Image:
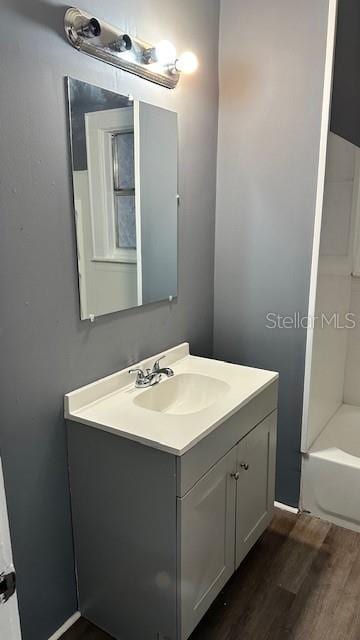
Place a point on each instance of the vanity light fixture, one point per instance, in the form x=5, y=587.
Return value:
x=164, y=53
x=187, y=63
x=157, y=63
x=124, y=43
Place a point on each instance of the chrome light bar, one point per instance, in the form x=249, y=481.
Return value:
x=109, y=44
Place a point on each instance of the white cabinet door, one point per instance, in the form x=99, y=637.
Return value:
x=256, y=484
x=206, y=517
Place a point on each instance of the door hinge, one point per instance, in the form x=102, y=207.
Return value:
x=7, y=586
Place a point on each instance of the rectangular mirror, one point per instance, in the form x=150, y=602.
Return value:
x=124, y=164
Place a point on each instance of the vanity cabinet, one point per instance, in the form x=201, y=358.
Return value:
x=222, y=517
x=158, y=535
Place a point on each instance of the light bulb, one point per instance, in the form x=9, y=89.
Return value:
x=187, y=63
x=165, y=52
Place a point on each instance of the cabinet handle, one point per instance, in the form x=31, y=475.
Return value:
x=244, y=466
x=236, y=475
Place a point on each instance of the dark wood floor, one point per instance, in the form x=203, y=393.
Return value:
x=300, y=582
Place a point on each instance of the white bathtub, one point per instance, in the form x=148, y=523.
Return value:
x=331, y=471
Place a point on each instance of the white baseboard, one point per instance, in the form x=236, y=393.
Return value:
x=69, y=623
x=286, y=507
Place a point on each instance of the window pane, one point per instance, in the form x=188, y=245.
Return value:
x=125, y=222
x=124, y=161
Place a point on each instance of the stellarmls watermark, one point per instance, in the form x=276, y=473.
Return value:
x=298, y=321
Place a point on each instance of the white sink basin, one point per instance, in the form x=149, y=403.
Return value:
x=176, y=413
x=185, y=393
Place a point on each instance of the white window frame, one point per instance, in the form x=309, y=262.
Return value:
x=100, y=127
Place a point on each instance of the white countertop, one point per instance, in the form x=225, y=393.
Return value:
x=107, y=404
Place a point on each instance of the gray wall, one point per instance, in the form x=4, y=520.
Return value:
x=345, y=119
x=45, y=349
x=272, y=57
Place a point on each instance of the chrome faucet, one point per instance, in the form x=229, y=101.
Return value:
x=150, y=377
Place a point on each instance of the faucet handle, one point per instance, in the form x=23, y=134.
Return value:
x=156, y=365
x=140, y=373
